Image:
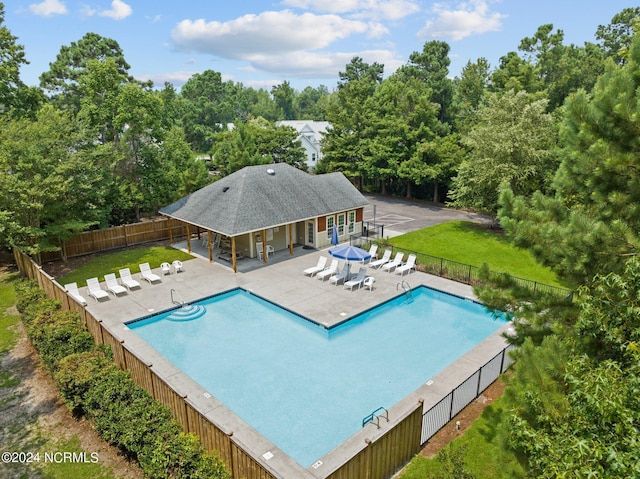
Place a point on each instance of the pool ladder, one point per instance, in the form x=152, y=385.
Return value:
x=375, y=416
x=175, y=301
x=407, y=289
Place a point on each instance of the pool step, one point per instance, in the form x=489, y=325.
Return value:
x=187, y=312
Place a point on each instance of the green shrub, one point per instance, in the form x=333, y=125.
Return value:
x=182, y=456
x=77, y=373
x=126, y=415
x=27, y=293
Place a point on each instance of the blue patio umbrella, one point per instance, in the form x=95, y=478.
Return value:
x=334, y=236
x=349, y=253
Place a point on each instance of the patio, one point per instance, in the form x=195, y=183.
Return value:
x=280, y=280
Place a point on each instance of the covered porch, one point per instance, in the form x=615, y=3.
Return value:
x=261, y=246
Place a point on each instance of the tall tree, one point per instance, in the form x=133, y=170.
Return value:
x=50, y=189
x=61, y=81
x=471, y=88
x=615, y=38
x=344, y=143
x=15, y=97
x=256, y=142
x=431, y=66
x=591, y=223
x=511, y=144
x=209, y=106
x=284, y=96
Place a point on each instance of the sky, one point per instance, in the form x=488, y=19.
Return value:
x=261, y=43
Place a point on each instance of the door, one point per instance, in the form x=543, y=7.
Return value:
x=311, y=233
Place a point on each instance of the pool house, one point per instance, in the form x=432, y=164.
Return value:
x=262, y=209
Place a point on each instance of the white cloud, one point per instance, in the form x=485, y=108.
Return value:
x=467, y=18
x=119, y=10
x=371, y=9
x=321, y=65
x=273, y=33
x=48, y=7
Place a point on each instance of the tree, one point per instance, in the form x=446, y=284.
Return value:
x=344, y=143
x=511, y=144
x=208, y=107
x=615, y=38
x=591, y=222
x=15, y=97
x=432, y=67
x=311, y=103
x=470, y=89
x=574, y=401
x=257, y=142
x=50, y=190
x=284, y=96
x=61, y=81
x=399, y=117
x=358, y=69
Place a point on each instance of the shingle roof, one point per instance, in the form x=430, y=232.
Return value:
x=252, y=199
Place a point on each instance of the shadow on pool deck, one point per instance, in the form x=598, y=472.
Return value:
x=281, y=281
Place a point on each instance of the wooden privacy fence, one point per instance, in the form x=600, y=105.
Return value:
x=117, y=237
x=378, y=459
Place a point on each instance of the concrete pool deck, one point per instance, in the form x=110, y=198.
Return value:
x=282, y=281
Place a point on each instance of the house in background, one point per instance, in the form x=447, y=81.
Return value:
x=267, y=208
x=310, y=134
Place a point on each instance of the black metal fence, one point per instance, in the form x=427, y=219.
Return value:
x=448, y=407
x=465, y=273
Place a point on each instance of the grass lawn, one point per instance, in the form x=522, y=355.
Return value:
x=474, y=244
x=8, y=317
x=130, y=258
x=484, y=456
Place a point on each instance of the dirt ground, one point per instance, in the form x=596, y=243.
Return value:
x=33, y=416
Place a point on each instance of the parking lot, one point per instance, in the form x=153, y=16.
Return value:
x=402, y=216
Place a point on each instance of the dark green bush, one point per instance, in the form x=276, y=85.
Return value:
x=181, y=457
x=126, y=415
x=27, y=293
x=78, y=373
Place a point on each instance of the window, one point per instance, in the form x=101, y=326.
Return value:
x=341, y=219
x=313, y=157
x=330, y=223
x=351, y=227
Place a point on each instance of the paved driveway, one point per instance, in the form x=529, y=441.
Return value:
x=402, y=216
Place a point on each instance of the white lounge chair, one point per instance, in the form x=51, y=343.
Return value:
x=385, y=259
x=177, y=266
x=165, y=268
x=357, y=280
x=341, y=276
x=95, y=291
x=408, y=266
x=322, y=262
x=148, y=275
x=113, y=286
x=373, y=251
x=72, y=289
x=127, y=280
x=328, y=272
x=397, y=261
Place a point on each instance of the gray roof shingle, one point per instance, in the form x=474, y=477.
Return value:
x=251, y=199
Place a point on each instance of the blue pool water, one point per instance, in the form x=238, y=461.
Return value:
x=306, y=388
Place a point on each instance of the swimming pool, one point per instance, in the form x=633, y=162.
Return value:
x=307, y=388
